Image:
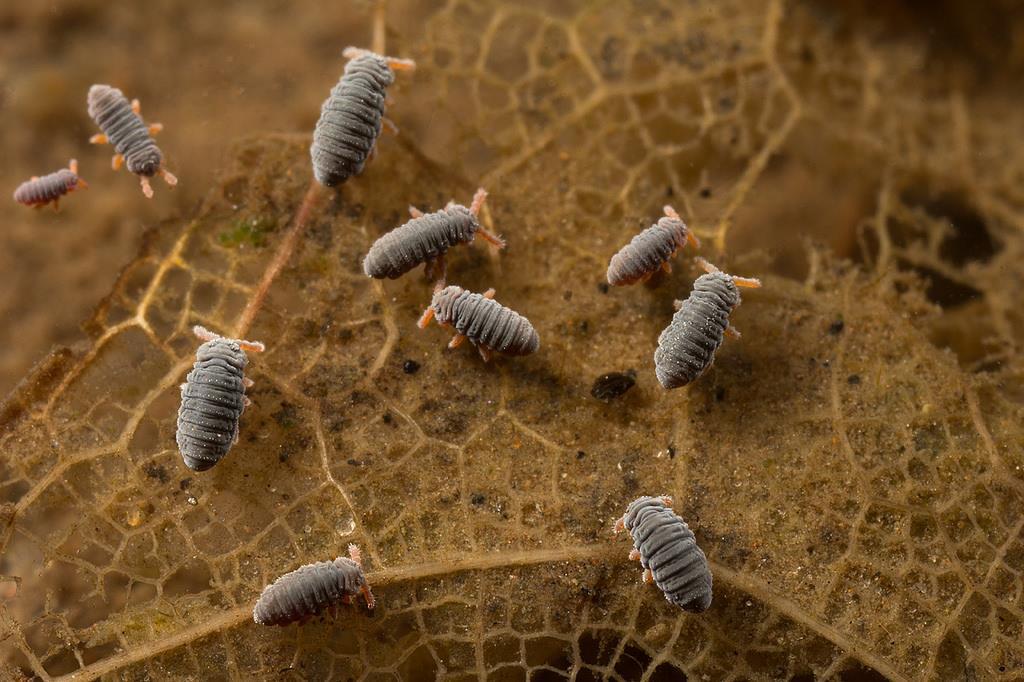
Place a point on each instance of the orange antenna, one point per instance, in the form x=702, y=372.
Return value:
x=478, y=201
x=394, y=63
x=748, y=282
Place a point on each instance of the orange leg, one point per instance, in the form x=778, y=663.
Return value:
x=146, y=189
x=666, y=500
x=620, y=525
x=368, y=596
x=155, y=128
x=98, y=138
x=485, y=352
x=677, y=304
x=425, y=318
x=168, y=177
x=34, y=178
x=415, y=212
x=490, y=293
x=692, y=240
x=247, y=382
x=648, y=576
x=136, y=107
x=390, y=125
x=116, y=161
x=733, y=332
x=456, y=341
x=634, y=555
x=667, y=267
x=73, y=166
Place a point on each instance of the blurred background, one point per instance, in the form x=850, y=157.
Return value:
x=217, y=70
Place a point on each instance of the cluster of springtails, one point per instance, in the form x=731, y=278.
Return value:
x=686, y=348
x=351, y=119
x=123, y=127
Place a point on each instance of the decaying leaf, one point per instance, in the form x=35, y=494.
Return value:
x=856, y=486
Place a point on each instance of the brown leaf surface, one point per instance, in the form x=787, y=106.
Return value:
x=857, y=487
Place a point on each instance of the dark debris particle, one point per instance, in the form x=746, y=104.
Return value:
x=836, y=327
x=602, y=287
x=705, y=192
x=386, y=418
x=610, y=386
x=720, y=394
x=671, y=452
x=410, y=367
x=185, y=483
x=853, y=379
x=283, y=456
x=566, y=295
x=477, y=499
x=580, y=454
x=360, y=462
x=156, y=471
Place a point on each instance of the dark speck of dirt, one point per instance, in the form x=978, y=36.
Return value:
x=602, y=287
x=410, y=367
x=671, y=452
x=566, y=295
x=610, y=386
x=705, y=193
x=853, y=379
x=185, y=483
x=720, y=394
x=836, y=327
x=283, y=456
x=156, y=471
x=477, y=499
x=580, y=454
x=386, y=418
x=360, y=462
x=287, y=416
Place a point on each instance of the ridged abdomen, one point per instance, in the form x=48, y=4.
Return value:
x=307, y=591
x=646, y=252
x=686, y=348
x=488, y=323
x=46, y=188
x=125, y=130
x=350, y=120
x=668, y=547
x=418, y=241
x=212, y=401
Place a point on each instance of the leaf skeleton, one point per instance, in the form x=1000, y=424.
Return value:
x=309, y=590
x=352, y=115
x=490, y=326
x=650, y=250
x=426, y=239
x=668, y=552
x=40, y=191
x=132, y=138
x=686, y=348
x=213, y=399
